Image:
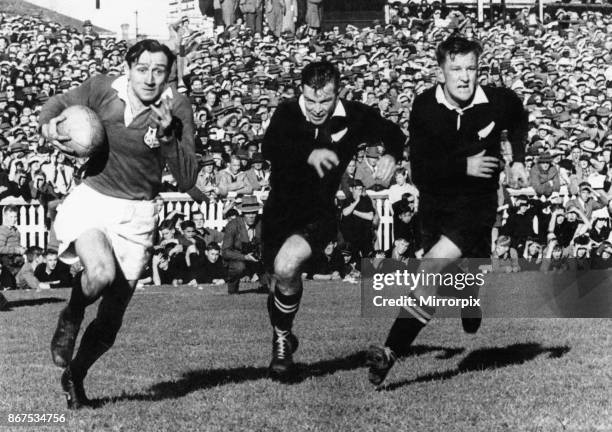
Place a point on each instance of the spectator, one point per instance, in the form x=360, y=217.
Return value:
x=163, y=272
x=203, y=234
x=600, y=230
x=504, y=258
x=52, y=271
x=544, y=177
x=348, y=177
x=602, y=258
x=356, y=223
x=401, y=187
x=532, y=256
x=233, y=180
x=564, y=226
x=258, y=177
x=207, y=268
x=252, y=11
x=11, y=251
x=206, y=183
x=25, y=277
x=290, y=16
x=366, y=170
x=314, y=16
x=275, y=12
x=588, y=200
x=519, y=224
x=242, y=245
x=188, y=238
x=554, y=258
x=327, y=264
x=407, y=225
x=399, y=251
x=228, y=9
x=7, y=280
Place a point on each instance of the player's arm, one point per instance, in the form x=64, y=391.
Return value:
x=50, y=114
x=81, y=95
x=176, y=136
x=518, y=127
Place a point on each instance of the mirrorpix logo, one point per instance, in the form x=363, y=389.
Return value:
x=395, y=283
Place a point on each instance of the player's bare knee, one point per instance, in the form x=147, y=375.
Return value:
x=288, y=269
x=98, y=276
x=291, y=258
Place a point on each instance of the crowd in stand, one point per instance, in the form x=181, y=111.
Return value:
x=235, y=80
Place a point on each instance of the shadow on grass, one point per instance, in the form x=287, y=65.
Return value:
x=207, y=378
x=34, y=302
x=488, y=359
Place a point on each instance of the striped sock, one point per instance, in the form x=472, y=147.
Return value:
x=283, y=308
x=407, y=325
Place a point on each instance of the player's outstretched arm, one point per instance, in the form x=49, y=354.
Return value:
x=176, y=134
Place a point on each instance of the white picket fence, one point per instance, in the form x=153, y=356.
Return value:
x=33, y=232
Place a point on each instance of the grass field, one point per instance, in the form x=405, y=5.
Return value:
x=195, y=360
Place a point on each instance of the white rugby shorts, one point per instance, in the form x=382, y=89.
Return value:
x=129, y=225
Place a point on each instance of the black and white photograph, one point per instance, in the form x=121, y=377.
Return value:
x=306, y=215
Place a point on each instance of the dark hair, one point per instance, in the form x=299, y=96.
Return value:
x=456, y=44
x=51, y=252
x=318, y=74
x=10, y=209
x=187, y=224
x=403, y=207
x=150, y=45
x=33, y=252
x=167, y=224
x=213, y=246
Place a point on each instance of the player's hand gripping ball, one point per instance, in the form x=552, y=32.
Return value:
x=77, y=131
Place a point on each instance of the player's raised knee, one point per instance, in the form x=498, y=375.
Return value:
x=99, y=276
x=291, y=257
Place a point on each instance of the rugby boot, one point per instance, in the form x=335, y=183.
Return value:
x=284, y=344
x=471, y=318
x=380, y=360
x=64, y=338
x=74, y=391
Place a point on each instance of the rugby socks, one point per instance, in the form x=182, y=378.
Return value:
x=283, y=308
x=410, y=321
x=78, y=301
x=91, y=349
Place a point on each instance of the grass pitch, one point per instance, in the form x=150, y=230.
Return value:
x=195, y=360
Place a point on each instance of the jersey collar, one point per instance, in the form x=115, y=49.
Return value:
x=120, y=85
x=339, y=111
x=479, y=98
